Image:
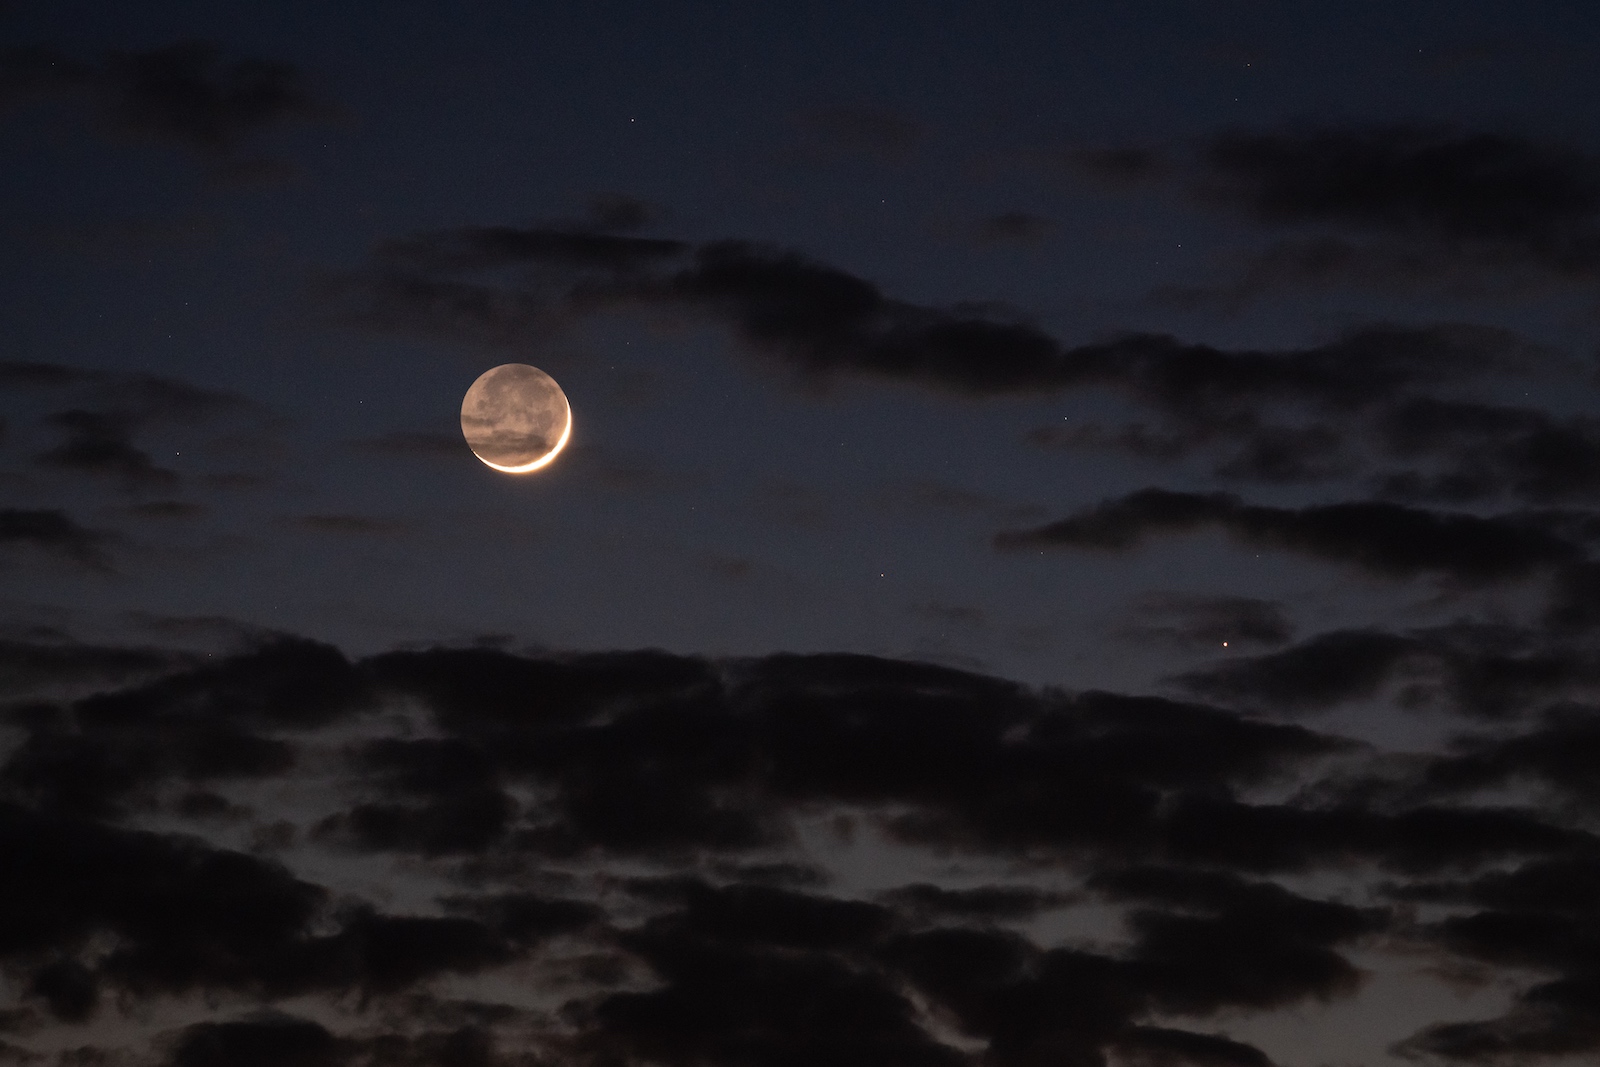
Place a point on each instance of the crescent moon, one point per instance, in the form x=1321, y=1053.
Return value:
x=515, y=418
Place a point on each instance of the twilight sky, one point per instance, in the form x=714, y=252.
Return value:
x=1078, y=545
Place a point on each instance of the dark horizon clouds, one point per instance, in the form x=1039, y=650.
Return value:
x=678, y=761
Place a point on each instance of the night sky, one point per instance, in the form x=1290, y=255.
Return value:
x=1079, y=547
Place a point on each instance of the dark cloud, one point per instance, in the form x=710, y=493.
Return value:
x=619, y=213
x=767, y=915
x=820, y=319
x=1284, y=454
x=1483, y=450
x=486, y=247
x=166, y=509
x=152, y=397
x=1118, y=165
x=38, y=666
x=189, y=93
x=984, y=903
x=16, y=375
x=725, y=1001
x=1542, y=915
x=34, y=71
x=1014, y=227
x=184, y=913
x=1068, y=1006
x=272, y=1041
x=1211, y=620
x=825, y=322
x=1575, y=599
x=1355, y=407
x=112, y=747
x=702, y=939
x=1436, y=182
x=1156, y=1046
x=688, y=759
x=1328, y=669
x=1488, y=671
x=189, y=917
x=1238, y=942
x=1268, y=838
x=1554, y=1019
x=54, y=532
x=69, y=988
x=348, y=524
x=861, y=130
x=1408, y=208
x=412, y=443
x=1381, y=538
x=101, y=443
x=1032, y=1006
x=1205, y=384
x=1557, y=752
x=527, y=919
x=449, y=310
x=461, y=809
x=102, y=415
x=283, y=683
x=1390, y=265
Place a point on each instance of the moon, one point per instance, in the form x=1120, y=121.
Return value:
x=516, y=418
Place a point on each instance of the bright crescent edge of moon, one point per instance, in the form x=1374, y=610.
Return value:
x=542, y=460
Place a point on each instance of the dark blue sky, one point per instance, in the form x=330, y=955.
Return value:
x=1238, y=357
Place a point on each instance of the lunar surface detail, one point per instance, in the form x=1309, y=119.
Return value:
x=516, y=418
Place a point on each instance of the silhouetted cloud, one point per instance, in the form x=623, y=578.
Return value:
x=619, y=213
x=1382, y=538
x=1542, y=915
x=270, y=1041
x=101, y=443
x=1554, y=753
x=1118, y=165
x=478, y=248
x=1486, y=671
x=1402, y=208
x=984, y=903
x=412, y=443
x=1014, y=227
x=190, y=93
x=1211, y=620
x=860, y=130
x=31, y=667
x=1483, y=450
x=1236, y=933
x=691, y=931
x=1437, y=182
x=1328, y=669
x=54, y=532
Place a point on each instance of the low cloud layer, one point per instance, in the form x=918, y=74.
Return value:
x=624, y=832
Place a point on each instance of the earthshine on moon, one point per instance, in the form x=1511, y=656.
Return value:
x=516, y=418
